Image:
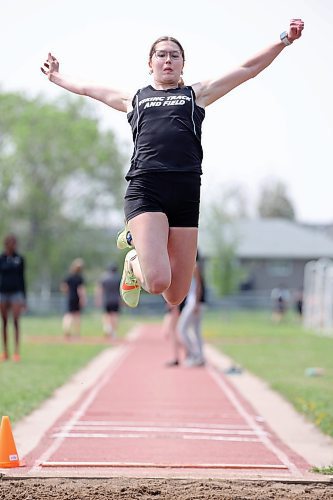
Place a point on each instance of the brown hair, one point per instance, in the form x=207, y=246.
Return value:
x=168, y=39
x=10, y=238
x=76, y=266
x=9, y=244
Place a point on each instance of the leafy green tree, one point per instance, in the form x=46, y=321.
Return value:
x=274, y=201
x=221, y=238
x=60, y=176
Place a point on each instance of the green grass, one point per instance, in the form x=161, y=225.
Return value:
x=280, y=354
x=47, y=363
x=324, y=470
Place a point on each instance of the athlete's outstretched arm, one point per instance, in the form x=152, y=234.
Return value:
x=113, y=98
x=209, y=91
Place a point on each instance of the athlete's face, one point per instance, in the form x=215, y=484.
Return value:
x=167, y=63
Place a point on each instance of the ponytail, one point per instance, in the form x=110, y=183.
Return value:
x=181, y=82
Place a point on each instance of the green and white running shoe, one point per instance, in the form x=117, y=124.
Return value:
x=129, y=286
x=124, y=239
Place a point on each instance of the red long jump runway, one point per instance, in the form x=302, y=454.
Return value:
x=143, y=418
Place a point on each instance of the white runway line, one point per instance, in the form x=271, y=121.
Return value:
x=231, y=395
x=123, y=352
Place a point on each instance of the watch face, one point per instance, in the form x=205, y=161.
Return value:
x=284, y=38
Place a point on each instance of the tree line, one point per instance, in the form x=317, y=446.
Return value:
x=61, y=185
x=218, y=218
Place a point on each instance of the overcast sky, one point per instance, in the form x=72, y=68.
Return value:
x=277, y=125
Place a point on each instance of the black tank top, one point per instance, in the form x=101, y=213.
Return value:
x=12, y=273
x=166, y=127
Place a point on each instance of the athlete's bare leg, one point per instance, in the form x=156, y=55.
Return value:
x=76, y=323
x=114, y=317
x=110, y=323
x=150, y=234
x=182, y=249
x=4, y=308
x=166, y=256
x=67, y=324
x=16, y=311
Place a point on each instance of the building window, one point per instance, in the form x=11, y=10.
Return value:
x=279, y=268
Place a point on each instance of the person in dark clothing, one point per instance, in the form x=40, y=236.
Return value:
x=280, y=297
x=12, y=294
x=74, y=288
x=163, y=196
x=298, y=302
x=108, y=297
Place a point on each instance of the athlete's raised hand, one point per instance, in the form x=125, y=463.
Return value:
x=51, y=65
x=295, y=29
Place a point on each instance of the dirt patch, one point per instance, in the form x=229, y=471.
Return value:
x=166, y=489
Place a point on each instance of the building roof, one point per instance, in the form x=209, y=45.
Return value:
x=272, y=239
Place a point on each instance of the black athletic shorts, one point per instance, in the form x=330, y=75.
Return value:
x=73, y=305
x=177, y=194
x=111, y=307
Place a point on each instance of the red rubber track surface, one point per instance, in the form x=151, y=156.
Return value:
x=143, y=418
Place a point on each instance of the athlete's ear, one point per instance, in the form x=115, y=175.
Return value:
x=150, y=67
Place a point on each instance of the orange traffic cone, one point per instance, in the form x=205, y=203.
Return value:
x=8, y=453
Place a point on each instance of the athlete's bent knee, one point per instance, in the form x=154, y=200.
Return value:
x=174, y=299
x=157, y=285
x=156, y=288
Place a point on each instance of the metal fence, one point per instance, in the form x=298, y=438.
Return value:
x=55, y=303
